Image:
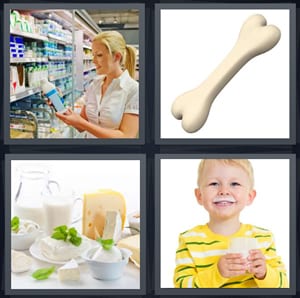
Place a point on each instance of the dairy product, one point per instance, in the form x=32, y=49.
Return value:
x=58, y=212
x=70, y=271
x=111, y=255
x=133, y=244
x=242, y=245
x=95, y=207
x=20, y=262
x=31, y=211
x=113, y=226
x=59, y=250
x=50, y=91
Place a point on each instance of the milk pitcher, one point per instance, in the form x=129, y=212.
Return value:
x=34, y=184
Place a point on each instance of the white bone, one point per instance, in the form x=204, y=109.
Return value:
x=254, y=39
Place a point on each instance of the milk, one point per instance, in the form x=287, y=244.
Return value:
x=58, y=211
x=31, y=212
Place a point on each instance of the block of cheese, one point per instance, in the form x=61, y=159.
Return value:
x=113, y=226
x=59, y=250
x=70, y=271
x=132, y=243
x=95, y=207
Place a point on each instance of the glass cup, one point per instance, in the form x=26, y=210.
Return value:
x=242, y=245
x=60, y=209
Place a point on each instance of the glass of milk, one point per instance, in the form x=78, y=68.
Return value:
x=242, y=245
x=59, y=209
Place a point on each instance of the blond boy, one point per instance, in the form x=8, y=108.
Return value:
x=225, y=188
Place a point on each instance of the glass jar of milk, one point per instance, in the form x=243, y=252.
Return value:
x=34, y=184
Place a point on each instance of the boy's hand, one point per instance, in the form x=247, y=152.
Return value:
x=257, y=264
x=232, y=264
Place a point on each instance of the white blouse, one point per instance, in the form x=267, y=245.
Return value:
x=121, y=96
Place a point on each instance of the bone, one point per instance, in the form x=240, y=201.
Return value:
x=255, y=38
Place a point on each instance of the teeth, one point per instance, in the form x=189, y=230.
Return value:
x=224, y=199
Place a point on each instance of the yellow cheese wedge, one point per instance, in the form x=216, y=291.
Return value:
x=132, y=243
x=95, y=207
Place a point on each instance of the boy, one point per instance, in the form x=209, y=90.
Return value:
x=225, y=187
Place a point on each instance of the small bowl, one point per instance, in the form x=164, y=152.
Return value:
x=106, y=270
x=24, y=241
x=134, y=222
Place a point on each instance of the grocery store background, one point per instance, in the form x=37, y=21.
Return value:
x=56, y=45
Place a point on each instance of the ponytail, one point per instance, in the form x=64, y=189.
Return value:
x=130, y=60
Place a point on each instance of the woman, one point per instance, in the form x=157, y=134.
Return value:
x=111, y=107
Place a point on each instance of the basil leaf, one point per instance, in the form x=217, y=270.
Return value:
x=15, y=223
x=76, y=240
x=63, y=233
x=59, y=236
x=107, y=244
x=72, y=232
x=62, y=229
x=43, y=273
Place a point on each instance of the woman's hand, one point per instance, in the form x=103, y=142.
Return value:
x=72, y=118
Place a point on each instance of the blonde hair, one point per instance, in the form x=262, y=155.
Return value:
x=242, y=163
x=115, y=42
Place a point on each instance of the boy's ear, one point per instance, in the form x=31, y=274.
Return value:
x=251, y=197
x=198, y=196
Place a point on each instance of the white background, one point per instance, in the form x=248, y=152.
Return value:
x=180, y=210
x=89, y=175
x=254, y=104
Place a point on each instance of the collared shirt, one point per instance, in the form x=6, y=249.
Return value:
x=121, y=96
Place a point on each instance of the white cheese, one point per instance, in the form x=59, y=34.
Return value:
x=70, y=271
x=112, y=255
x=59, y=250
x=20, y=262
x=113, y=226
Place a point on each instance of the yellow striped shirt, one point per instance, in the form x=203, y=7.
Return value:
x=200, y=249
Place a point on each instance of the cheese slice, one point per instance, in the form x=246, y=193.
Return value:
x=95, y=207
x=20, y=262
x=132, y=243
x=113, y=226
x=70, y=271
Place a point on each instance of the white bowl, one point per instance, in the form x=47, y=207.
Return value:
x=134, y=222
x=24, y=241
x=106, y=270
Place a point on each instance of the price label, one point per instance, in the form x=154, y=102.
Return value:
x=13, y=98
x=30, y=92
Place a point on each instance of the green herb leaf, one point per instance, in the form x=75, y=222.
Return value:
x=72, y=232
x=107, y=244
x=15, y=223
x=59, y=236
x=65, y=234
x=62, y=229
x=76, y=240
x=43, y=273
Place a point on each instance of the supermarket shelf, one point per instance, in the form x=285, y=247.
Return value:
x=28, y=60
x=28, y=35
x=25, y=93
x=88, y=58
x=67, y=92
x=53, y=78
x=57, y=39
x=59, y=58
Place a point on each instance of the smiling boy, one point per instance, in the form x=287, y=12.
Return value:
x=225, y=188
